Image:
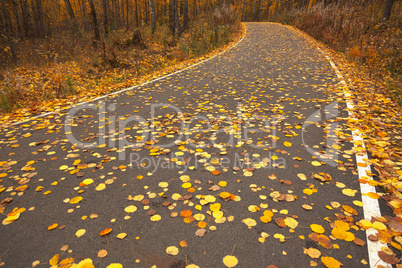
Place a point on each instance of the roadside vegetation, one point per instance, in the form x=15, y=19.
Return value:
x=65, y=57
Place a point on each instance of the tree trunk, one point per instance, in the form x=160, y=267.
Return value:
x=94, y=20
x=243, y=11
x=276, y=7
x=387, y=10
x=195, y=9
x=105, y=20
x=177, y=25
x=153, y=17
x=72, y=15
x=185, y=15
x=260, y=11
x=17, y=17
x=254, y=2
x=136, y=14
x=172, y=16
x=84, y=14
x=127, y=16
x=8, y=27
x=27, y=20
x=40, y=18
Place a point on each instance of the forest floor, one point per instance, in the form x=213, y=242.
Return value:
x=56, y=73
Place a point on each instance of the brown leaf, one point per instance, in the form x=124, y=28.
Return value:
x=391, y=259
x=324, y=241
x=373, y=238
x=151, y=212
x=166, y=204
x=6, y=201
x=359, y=242
x=145, y=202
x=280, y=222
x=200, y=232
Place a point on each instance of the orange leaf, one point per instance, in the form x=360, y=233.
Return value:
x=186, y=213
x=216, y=172
x=373, y=195
x=106, y=231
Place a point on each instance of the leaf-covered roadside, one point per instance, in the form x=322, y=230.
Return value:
x=30, y=90
x=379, y=120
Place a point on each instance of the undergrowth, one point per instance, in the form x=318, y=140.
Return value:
x=357, y=30
x=64, y=67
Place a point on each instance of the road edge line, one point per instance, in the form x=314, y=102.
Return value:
x=133, y=87
x=371, y=206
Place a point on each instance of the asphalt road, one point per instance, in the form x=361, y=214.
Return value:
x=260, y=114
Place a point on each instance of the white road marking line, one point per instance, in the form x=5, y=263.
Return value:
x=371, y=207
x=133, y=87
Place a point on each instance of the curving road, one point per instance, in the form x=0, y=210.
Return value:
x=255, y=131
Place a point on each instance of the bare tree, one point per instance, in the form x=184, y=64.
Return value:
x=387, y=10
x=153, y=17
x=94, y=19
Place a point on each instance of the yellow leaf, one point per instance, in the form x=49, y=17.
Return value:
x=379, y=226
x=75, y=200
x=265, y=219
x=53, y=226
x=316, y=163
x=88, y=181
x=215, y=207
x=287, y=144
x=156, y=217
x=230, y=261
x=339, y=233
x=172, y=250
x=224, y=195
x=100, y=187
x=210, y=198
x=55, y=260
x=115, y=265
x=330, y=262
x=302, y=176
x=312, y=253
x=249, y=222
x=186, y=185
x=163, y=184
x=130, y=209
x=280, y=237
x=222, y=183
x=291, y=223
x=317, y=228
x=66, y=263
x=63, y=167
x=80, y=232
x=349, y=192
x=121, y=235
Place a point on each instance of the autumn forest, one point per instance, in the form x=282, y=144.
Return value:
x=53, y=50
